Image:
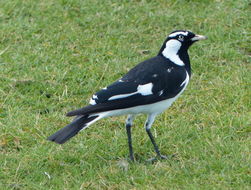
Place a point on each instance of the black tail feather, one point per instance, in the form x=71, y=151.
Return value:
x=71, y=130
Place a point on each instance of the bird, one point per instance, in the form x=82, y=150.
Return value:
x=149, y=88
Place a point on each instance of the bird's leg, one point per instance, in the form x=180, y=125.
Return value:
x=128, y=131
x=148, y=125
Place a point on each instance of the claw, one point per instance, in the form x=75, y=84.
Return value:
x=158, y=157
x=132, y=159
x=163, y=157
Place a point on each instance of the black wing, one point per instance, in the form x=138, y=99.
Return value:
x=164, y=77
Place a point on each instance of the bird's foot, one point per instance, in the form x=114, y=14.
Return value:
x=162, y=157
x=131, y=158
x=158, y=157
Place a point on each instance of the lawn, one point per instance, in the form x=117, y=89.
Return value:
x=55, y=54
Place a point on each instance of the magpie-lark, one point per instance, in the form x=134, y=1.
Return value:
x=149, y=88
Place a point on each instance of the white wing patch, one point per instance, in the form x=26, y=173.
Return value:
x=92, y=100
x=144, y=90
x=171, y=50
x=121, y=96
x=161, y=92
x=178, y=33
x=185, y=81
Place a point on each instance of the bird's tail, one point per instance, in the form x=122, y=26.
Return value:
x=69, y=131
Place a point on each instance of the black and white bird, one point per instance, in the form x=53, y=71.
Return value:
x=149, y=88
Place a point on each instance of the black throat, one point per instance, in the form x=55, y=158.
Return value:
x=183, y=55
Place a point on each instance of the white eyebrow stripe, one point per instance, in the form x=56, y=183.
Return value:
x=177, y=33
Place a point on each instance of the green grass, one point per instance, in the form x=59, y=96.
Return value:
x=55, y=54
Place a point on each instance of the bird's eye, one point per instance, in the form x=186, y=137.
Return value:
x=181, y=38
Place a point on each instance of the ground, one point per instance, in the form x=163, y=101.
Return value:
x=55, y=54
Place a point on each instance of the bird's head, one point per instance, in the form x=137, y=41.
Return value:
x=179, y=41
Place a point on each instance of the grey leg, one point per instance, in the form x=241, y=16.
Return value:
x=148, y=125
x=128, y=131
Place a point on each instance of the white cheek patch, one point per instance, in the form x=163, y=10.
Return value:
x=144, y=90
x=178, y=33
x=171, y=50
